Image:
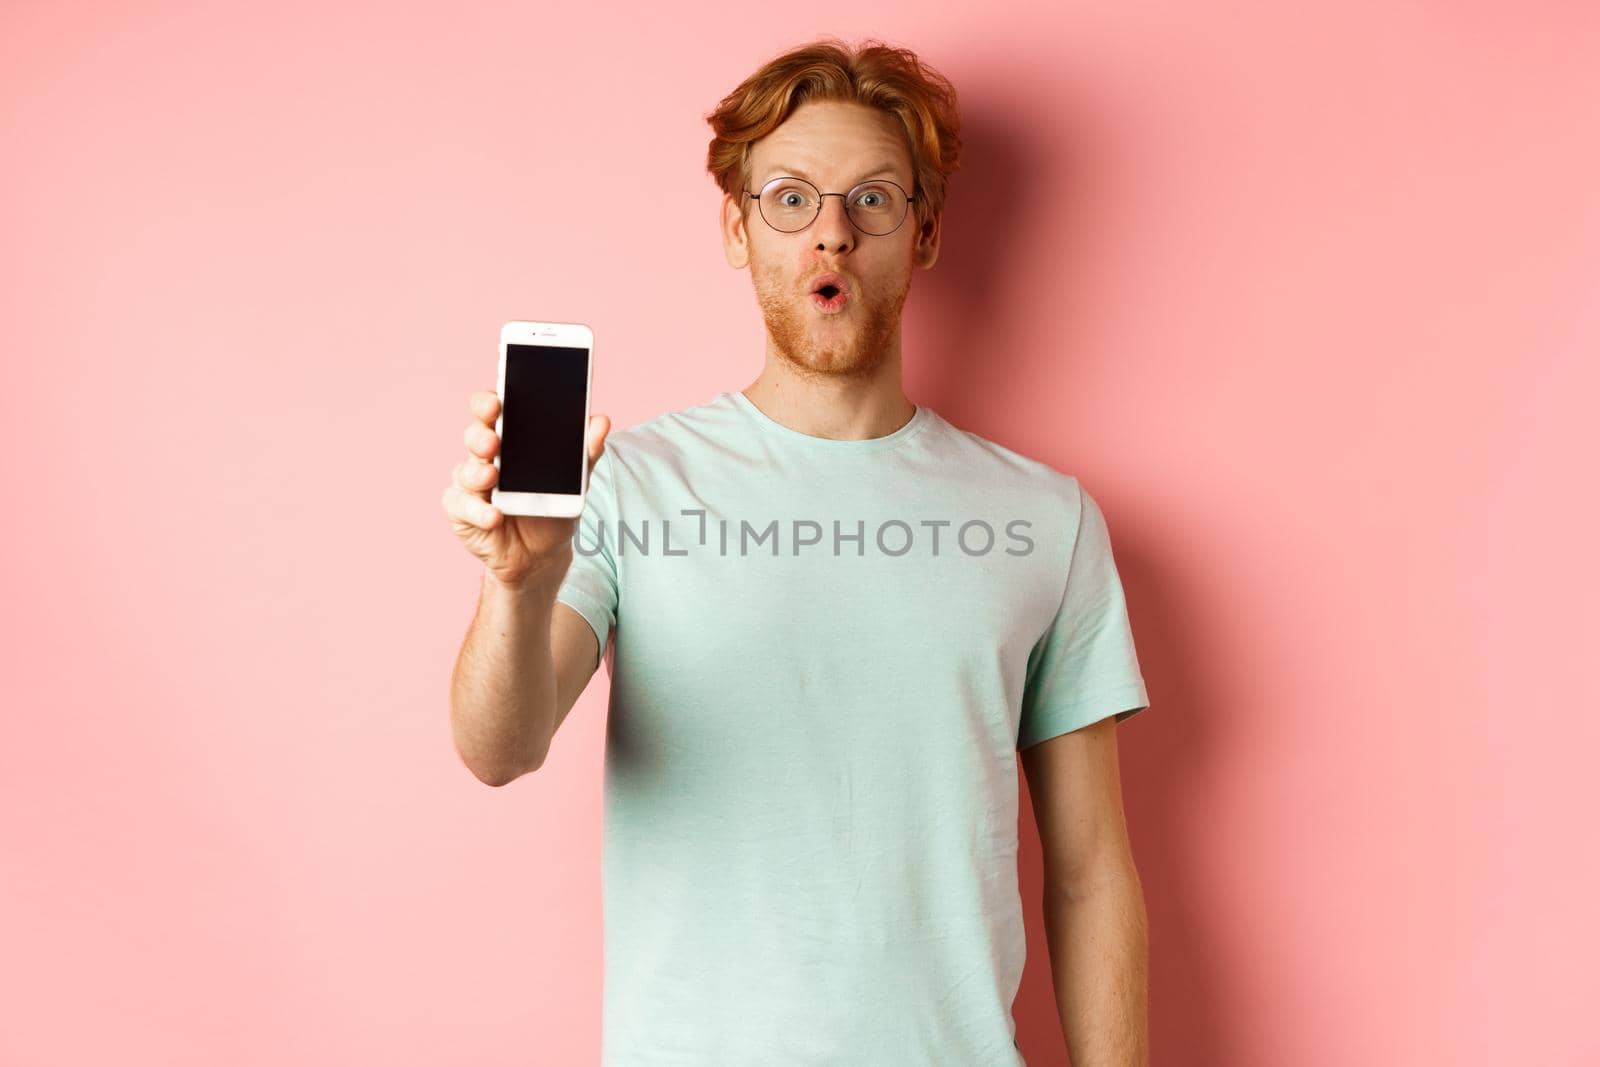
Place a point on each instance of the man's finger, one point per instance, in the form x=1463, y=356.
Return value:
x=599, y=427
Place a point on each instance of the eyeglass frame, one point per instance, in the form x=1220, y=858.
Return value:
x=910, y=199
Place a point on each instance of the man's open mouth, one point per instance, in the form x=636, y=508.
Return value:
x=828, y=292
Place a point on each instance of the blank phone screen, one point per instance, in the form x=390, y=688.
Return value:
x=542, y=421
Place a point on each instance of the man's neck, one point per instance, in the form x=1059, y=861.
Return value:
x=841, y=409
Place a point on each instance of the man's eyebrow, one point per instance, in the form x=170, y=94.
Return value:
x=781, y=171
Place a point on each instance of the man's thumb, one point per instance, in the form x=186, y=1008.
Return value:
x=599, y=428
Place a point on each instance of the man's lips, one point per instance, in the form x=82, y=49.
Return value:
x=833, y=283
x=831, y=305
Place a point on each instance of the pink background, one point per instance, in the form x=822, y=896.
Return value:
x=1305, y=294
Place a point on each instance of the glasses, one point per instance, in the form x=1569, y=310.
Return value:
x=789, y=205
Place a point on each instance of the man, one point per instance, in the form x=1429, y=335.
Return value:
x=831, y=619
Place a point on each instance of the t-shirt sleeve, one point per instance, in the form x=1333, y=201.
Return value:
x=590, y=585
x=1084, y=667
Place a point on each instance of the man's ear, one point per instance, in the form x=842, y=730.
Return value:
x=927, y=250
x=735, y=233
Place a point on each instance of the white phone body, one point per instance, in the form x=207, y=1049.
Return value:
x=546, y=369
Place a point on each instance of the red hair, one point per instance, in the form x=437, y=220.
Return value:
x=876, y=74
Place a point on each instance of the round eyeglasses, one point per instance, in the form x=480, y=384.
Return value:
x=789, y=205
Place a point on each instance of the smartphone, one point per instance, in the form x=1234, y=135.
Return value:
x=545, y=372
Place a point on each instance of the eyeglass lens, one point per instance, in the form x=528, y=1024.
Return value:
x=790, y=204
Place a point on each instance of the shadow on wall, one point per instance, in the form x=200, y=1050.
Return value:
x=959, y=311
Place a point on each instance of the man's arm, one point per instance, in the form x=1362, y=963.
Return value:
x=525, y=661
x=1094, y=912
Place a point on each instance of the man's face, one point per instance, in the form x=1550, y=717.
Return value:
x=834, y=146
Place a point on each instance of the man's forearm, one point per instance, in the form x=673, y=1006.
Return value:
x=1099, y=953
x=503, y=689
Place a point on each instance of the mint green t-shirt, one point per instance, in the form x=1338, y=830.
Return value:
x=824, y=656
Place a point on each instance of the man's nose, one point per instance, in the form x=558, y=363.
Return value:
x=833, y=229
